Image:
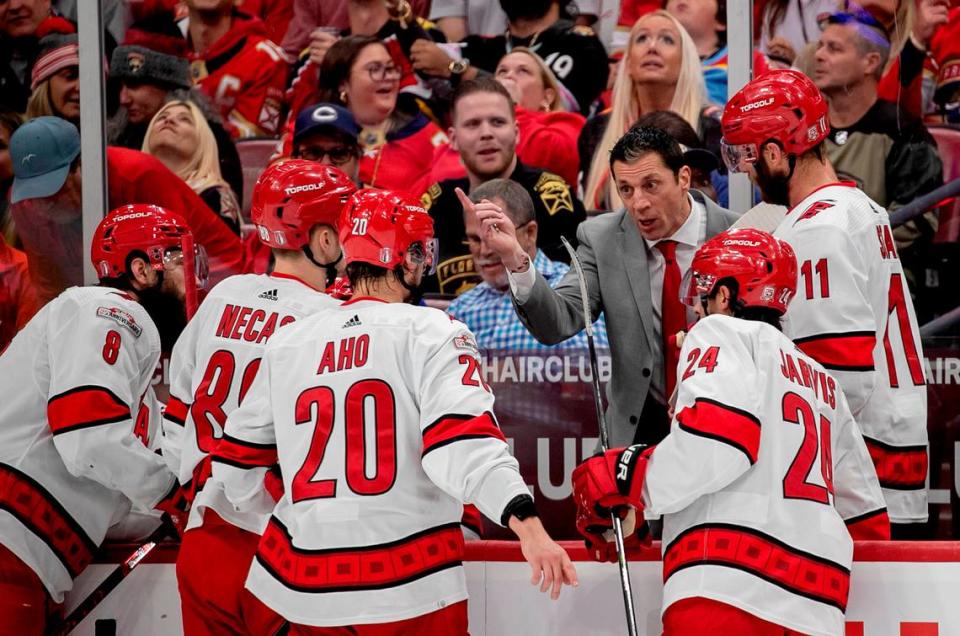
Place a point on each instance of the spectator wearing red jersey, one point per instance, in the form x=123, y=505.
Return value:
x=45, y=203
x=18, y=298
x=276, y=14
x=234, y=63
x=398, y=140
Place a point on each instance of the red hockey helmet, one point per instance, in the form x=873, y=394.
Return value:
x=379, y=226
x=784, y=106
x=764, y=267
x=151, y=229
x=292, y=196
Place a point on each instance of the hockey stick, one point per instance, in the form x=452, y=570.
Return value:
x=114, y=579
x=604, y=443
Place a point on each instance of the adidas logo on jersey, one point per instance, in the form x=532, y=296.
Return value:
x=353, y=322
x=270, y=294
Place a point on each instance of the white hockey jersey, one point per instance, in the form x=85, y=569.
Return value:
x=72, y=429
x=853, y=314
x=384, y=427
x=763, y=467
x=212, y=367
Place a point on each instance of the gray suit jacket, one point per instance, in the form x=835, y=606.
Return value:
x=614, y=259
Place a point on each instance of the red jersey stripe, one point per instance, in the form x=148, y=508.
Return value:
x=454, y=428
x=43, y=515
x=359, y=568
x=708, y=418
x=242, y=454
x=851, y=351
x=899, y=467
x=83, y=407
x=176, y=411
x=872, y=526
x=761, y=555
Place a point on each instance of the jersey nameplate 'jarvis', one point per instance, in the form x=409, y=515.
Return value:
x=212, y=367
x=761, y=476
x=854, y=315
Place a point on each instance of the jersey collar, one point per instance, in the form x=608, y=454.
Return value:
x=296, y=278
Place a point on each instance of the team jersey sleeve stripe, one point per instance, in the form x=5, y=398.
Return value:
x=870, y=526
x=759, y=554
x=42, y=514
x=243, y=454
x=899, y=467
x=176, y=411
x=723, y=423
x=455, y=428
x=851, y=351
x=83, y=407
x=359, y=568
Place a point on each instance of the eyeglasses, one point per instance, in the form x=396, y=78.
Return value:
x=339, y=155
x=380, y=72
x=474, y=241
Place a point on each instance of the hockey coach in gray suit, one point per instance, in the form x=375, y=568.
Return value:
x=634, y=260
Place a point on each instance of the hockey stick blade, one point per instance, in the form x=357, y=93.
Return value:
x=113, y=580
x=625, y=585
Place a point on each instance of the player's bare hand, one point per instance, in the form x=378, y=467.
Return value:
x=496, y=230
x=551, y=567
x=430, y=59
x=320, y=42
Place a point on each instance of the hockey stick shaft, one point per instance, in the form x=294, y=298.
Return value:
x=625, y=585
x=114, y=579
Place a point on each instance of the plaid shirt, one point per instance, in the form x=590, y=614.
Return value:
x=491, y=317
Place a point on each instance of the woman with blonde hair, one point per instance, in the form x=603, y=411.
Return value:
x=180, y=137
x=55, y=79
x=659, y=71
x=548, y=132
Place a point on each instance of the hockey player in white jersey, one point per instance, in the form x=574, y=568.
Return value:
x=76, y=379
x=853, y=312
x=384, y=427
x=296, y=206
x=764, y=475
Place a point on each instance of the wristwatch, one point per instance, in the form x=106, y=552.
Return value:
x=520, y=507
x=457, y=67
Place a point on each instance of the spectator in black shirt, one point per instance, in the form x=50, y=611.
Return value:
x=484, y=132
x=574, y=53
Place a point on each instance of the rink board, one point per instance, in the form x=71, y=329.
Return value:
x=898, y=589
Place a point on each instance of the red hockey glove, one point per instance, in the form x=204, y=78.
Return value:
x=273, y=482
x=175, y=505
x=611, y=479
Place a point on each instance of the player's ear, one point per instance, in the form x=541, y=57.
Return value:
x=141, y=273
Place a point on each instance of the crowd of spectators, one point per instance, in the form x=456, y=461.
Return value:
x=440, y=99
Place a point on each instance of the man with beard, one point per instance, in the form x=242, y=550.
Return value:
x=76, y=384
x=410, y=377
x=484, y=132
x=853, y=313
x=633, y=261
x=46, y=196
x=296, y=208
x=574, y=53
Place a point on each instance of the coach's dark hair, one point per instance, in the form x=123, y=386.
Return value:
x=640, y=140
x=517, y=201
x=479, y=85
x=759, y=314
x=338, y=64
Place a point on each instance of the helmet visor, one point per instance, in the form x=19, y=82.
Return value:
x=173, y=258
x=737, y=157
x=695, y=286
x=428, y=253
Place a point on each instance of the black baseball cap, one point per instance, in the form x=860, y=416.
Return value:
x=325, y=116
